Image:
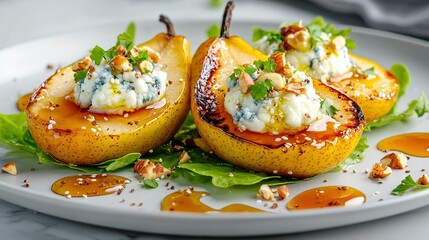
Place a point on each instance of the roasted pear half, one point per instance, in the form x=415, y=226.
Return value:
x=298, y=153
x=76, y=135
x=323, y=52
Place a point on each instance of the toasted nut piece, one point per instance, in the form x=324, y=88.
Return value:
x=380, y=170
x=423, y=180
x=121, y=50
x=150, y=170
x=339, y=42
x=184, y=158
x=265, y=192
x=10, y=168
x=395, y=160
x=82, y=64
x=244, y=82
x=299, y=40
x=154, y=55
x=201, y=143
x=283, y=191
x=134, y=52
x=276, y=79
x=120, y=64
x=282, y=66
x=145, y=66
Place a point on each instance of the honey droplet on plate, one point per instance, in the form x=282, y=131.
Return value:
x=415, y=144
x=89, y=185
x=189, y=201
x=329, y=196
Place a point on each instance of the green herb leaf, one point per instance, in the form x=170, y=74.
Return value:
x=149, y=183
x=109, y=54
x=14, y=132
x=213, y=31
x=127, y=38
x=142, y=56
x=80, y=75
x=215, y=3
x=407, y=184
x=419, y=106
x=250, y=69
x=369, y=71
x=266, y=66
x=261, y=89
x=327, y=108
x=44, y=158
x=97, y=54
x=273, y=36
x=236, y=74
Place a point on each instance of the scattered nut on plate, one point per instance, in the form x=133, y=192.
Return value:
x=10, y=168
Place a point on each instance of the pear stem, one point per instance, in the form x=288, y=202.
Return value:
x=226, y=21
x=170, y=29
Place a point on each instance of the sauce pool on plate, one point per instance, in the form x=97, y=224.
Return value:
x=415, y=144
x=329, y=196
x=189, y=201
x=89, y=185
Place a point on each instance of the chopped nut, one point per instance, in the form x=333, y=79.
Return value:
x=121, y=50
x=82, y=64
x=265, y=192
x=283, y=191
x=339, y=42
x=150, y=170
x=10, y=168
x=184, y=157
x=120, y=64
x=282, y=66
x=275, y=78
x=299, y=40
x=395, y=160
x=423, y=180
x=380, y=170
x=245, y=81
x=145, y=66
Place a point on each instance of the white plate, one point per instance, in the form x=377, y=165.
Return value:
x=24, y=68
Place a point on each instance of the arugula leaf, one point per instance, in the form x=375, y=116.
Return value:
x=408, y=183
x=118, y=163
x=127, y=38
x=80, y=75
x=261, y=89
x=14, y=132
x=225, y=175
x=149, y=183
x=419, y=106
x=97, y=54
x=273, y=36
x=44, y=158
x=213, y=31
x=402, y=74
x=327, y=108
x=357, y=155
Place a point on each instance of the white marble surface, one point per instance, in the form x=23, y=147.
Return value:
x=22, y=21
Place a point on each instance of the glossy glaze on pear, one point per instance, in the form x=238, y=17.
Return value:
x=212, y=63
x=75, y=136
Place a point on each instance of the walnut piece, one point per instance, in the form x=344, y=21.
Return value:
x=184, y=157
x=283, y=191
x=265, y=192
x=150, y=170
x=423, y=180
x=380, y=170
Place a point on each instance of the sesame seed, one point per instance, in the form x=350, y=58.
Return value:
x=106, y=119
x=284, y=138
x=231, y=174
x=50, y=127
x=275, y=171
x=93, y=130
x=290, y=172
x=151, y=151
x=278, y=139
x=125, y=115
x=83, y=127
x=66, y=192
x=68, y=196
x=127, y=181
x=84, y=196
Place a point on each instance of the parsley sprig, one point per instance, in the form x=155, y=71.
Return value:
x=328, y=108
x=261, y=89
x=408, y=184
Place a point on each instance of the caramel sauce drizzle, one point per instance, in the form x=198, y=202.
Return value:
x=22, y=102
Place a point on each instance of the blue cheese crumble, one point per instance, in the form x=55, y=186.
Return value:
x=117, y=86
x=290, y=106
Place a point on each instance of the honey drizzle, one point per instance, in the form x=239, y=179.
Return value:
x=415, y=144
x=22, y=102
x=189, y=201
x=89, y=185
x=329, y=196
